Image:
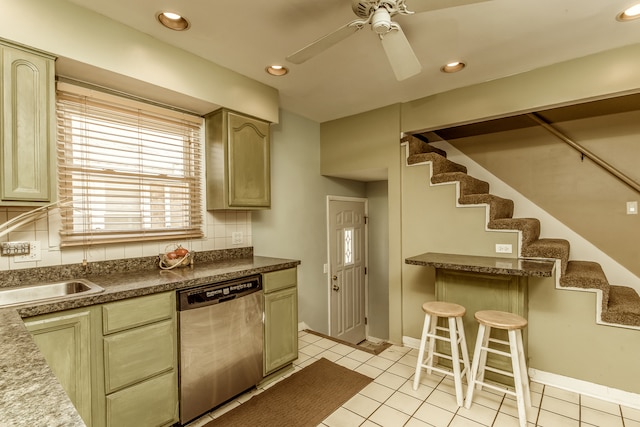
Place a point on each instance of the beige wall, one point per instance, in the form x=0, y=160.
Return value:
x=130, y=56
x=577, y=192
x=562, y=330
x=601, y=75
x=362, y=146
x=596, y=76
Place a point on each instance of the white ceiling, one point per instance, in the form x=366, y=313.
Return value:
x=496, y=38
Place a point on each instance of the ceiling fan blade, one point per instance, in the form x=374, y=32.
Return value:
x=418, y=6
x=404, y=61
x=325, y=42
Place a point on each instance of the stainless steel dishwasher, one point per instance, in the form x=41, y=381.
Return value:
x=220, y=343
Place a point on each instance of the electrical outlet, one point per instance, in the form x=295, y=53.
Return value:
x=33, y=255
x=236, y=238
x=503, y=248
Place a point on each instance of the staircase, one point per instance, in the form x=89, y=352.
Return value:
x=620, y=304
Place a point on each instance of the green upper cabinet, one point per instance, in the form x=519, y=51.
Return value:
x=238, y=161
x=27, y=127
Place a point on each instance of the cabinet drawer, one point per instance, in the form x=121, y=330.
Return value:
x=279, y=280
x=140, y=353
x=130, y=313
x=150, y=403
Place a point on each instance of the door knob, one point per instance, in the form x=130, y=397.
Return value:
x=335, y=287
x=334, y=277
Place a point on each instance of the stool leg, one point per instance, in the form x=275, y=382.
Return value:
x=455, y=360
x=474, y=366
x=463, y=346
x=483, y=355
x=432, y=343
x=423, y=340
x=517, y=376
x=523, y=371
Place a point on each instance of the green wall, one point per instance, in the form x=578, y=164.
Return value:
x=295, y=226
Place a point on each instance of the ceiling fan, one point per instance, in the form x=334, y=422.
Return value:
x=378, y=14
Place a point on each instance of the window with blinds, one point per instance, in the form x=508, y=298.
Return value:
x=127, y=171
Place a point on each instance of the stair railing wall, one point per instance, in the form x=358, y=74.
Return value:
x=585, y=152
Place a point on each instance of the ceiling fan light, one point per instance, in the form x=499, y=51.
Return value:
x=381, y=21
x=630, y=13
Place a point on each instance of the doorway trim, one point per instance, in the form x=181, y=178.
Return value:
x=365, y=201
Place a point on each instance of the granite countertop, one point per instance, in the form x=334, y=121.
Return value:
x=484, y=264
x=30, y=395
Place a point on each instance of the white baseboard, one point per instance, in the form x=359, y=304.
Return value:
x=411, y=342
x=598, y=391
x=302, y=326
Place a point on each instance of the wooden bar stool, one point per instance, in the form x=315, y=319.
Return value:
x=453, y=312
x=513, y=324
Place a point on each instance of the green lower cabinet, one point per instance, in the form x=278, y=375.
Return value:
x=139, y=383
x=280, y=319
x=64, y=339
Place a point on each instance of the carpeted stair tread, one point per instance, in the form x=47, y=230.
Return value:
x=498, y=207
x=587, y=275
x=584, y=274
x=624, y=306
x=468, y=184
x=417, y=146
x=549, y=248
x=439, y=164
x=530, y=227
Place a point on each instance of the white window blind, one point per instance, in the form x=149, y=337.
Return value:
x=127, y=171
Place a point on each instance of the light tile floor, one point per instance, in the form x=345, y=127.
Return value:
x=390, y=401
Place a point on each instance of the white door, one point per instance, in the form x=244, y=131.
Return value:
x=347, y=262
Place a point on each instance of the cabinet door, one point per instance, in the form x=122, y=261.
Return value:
x=65, y=341
x=280, y=328
x=249, y=162
x=150, y=403
x=27, y=98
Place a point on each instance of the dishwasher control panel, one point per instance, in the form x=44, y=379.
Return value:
x=216, y=293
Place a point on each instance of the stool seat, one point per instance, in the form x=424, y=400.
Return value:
x=500, y=319
x=443, y=309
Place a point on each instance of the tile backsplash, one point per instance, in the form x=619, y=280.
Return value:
x=219, y=228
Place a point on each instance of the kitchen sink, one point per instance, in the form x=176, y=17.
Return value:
x=47, y=292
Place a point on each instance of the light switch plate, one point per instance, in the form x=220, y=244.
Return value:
x=503, y=248
x=632, y=208
x=33, y=255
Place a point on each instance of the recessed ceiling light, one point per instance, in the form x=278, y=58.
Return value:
x=173, y=21
x=453, y=67
x=628, y=14
x=277, y=70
